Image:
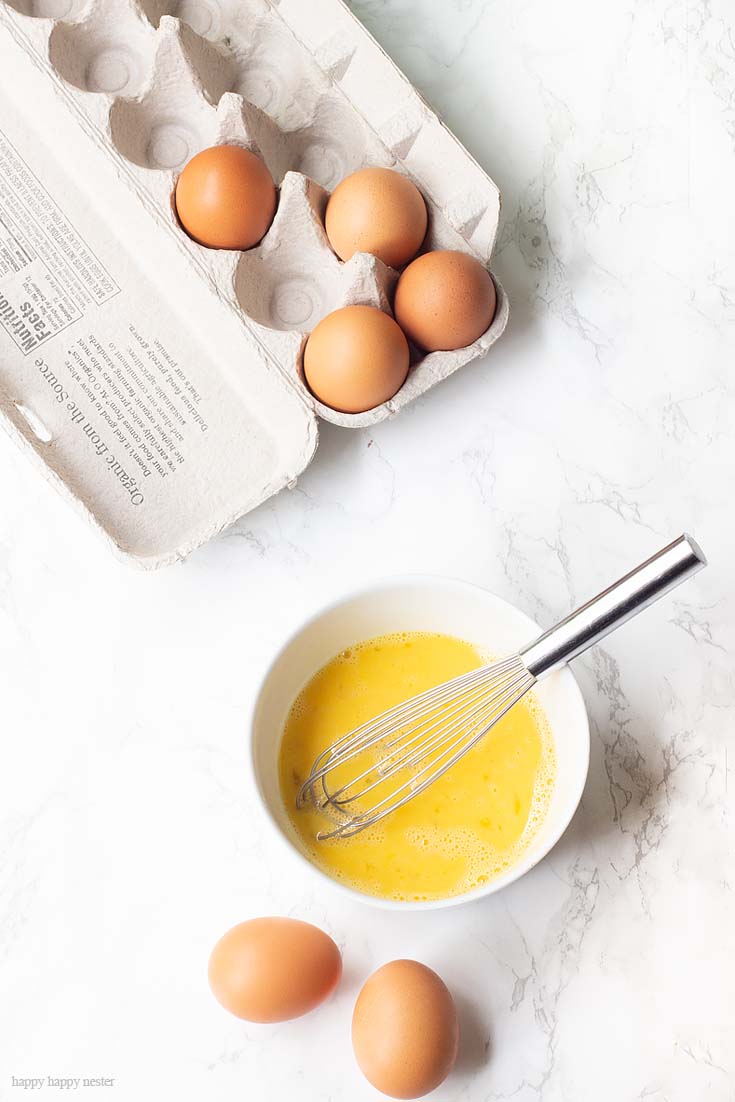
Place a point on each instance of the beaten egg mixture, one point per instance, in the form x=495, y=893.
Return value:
x=469, y=826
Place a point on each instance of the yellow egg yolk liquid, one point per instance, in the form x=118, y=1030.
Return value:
x=468, y=827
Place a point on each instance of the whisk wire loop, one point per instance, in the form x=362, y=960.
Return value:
x=421, y=737
x=429, y=773
x=427, y=734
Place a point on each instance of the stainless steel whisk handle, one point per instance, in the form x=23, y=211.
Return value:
x=616, y=604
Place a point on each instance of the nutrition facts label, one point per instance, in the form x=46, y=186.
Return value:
x=49, y=277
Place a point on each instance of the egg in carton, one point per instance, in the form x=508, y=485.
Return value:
x=148, y=83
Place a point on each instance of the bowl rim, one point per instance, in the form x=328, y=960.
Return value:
x=407, y=581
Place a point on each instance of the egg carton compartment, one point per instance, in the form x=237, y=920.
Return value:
x=321, y=91
x=173, y=117
x=209, y=18
x=274, y=282
x=48, y=9
x=293, y=279
x=110, y=51
x=153, y=82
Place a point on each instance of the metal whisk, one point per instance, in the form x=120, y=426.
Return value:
x=392, y=758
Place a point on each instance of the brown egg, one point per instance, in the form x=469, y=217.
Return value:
x=445, y=300
x=273, y=969
x=377, y=211
x=355, y=359
x=404, y=1030
x=226, y=198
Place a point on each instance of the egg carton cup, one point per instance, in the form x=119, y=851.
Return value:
x=108, y=100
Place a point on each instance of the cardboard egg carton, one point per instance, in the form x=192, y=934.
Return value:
x=169, y=398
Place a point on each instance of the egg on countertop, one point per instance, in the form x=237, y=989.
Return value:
x=445, y=300
x=355, y=359
x=404, y=1030
x=273, y=969
x=226, y=198
x=378, y=211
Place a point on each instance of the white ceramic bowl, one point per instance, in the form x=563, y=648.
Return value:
x=418, y=603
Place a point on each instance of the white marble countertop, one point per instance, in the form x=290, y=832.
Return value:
x=597, y=429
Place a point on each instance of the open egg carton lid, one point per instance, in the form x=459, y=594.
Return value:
x=159, y=383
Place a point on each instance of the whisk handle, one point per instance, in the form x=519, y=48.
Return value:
x=616, y=604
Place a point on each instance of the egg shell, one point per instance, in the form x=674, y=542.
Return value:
x=273, y=969
x=226, y=198
x=445, y=300
x=405, y=1032
x=378, y=211
x=356, y=359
